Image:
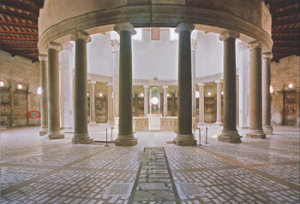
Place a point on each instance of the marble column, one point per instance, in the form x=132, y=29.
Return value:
x=256, y=130
x=115, y=55
x=266, y=96
x=219, y=102
x=53, y=91
x=165, y=103
x=193, y=55
x=44, y=96
x=110, y=118
x=125, y=136
x=229, y=132
x=81, y=135
x=92, y=104
x=201, y=104
x=136, y=104
x=146, y=100
x=184, y=136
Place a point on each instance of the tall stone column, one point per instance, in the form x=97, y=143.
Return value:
x=146, y=100
x=219, y=102
x=125, y=136
x=53, y=94
x=266, y=98
x=184, y=136
x=110, y=118
x=165, y=103
x=44, y=96
x=229, y=132
x=201, y=104
x=256, y=130
x=193, y=53
x=92, y=104
x=115, y=55
x=81, y=135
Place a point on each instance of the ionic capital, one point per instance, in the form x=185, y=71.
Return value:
x=267, y=55
x=184, y=26
x=43, y=57
x=80, y=35
x=124, y=26
x=201, y=84
x=54, y=46
x=92, y=82
x=255, y=44
x=229, y=34
x=146, y=86
x=219, y=81
x=164, y=86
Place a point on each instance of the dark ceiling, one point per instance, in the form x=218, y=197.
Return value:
x=19, y=27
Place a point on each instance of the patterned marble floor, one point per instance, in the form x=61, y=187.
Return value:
x=36, y=170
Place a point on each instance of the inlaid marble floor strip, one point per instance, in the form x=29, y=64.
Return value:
x=154, y=182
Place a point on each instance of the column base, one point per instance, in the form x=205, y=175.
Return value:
x=80, y=138
x=256, y=134
x=54, y=136
x=126, y=140
x=219, y=123
x=268, y=130
x=185, y=140
x=43, y=131
x=93, y=124
x=230, y=136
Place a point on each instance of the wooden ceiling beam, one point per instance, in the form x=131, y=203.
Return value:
x=22, y=25
x=17, y=32
x=21, y=6
x=17, y=14
x=288, y=38
x=19, y=18
x=286, y=12
x=285, y=31
x=280, y=4
x=284, y=22
x=18, y=39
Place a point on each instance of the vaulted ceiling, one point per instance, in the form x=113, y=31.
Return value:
x=19, y=27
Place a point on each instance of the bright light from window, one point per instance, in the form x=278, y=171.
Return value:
x=39, y=91
x=100, y=94
x=138, y=35
x=197, y=94
x=173, y=34
x=168, y=95
x=271, y=89
x=20, y=86
x=209, y=93
x=87, y=94
x=1, y=83
x=222, y=92
x=154, y=100
x=291, y=86
x=142, y=94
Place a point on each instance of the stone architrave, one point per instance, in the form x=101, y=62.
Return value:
x=165, y=100
x=184, y=136
x=92, y=104
x=219, y=102
x=229, y=132
x=256, y=130
x=266, y=98
x=125, y=136
x=44, y=95
x=81, y=135
x=146, y=100
x=110, y=119
x=53, y=91
x=201, y=104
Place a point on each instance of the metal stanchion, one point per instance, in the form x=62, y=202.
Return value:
x=106, y=139
x=206, y=139
x=199, y=137
x=111, y=133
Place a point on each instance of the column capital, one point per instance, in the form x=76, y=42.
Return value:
x=184, y=26
x=267, y=55
x=219, y=81
x=80, y=35
x=127, y=26
x=254, y=44
x=164, y=86
x=109, y=84
x=201, y=84
x=43, y=57
x=115, y=45
x=229, y=34
x=54, y=46
x=146, y=86
x=92, y=82
x=68, y=46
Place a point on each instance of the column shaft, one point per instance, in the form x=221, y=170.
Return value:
x=219, y=103
x=255, y=92
x=110, y=119
x=201, y=104
x=266, y=98
x=44, y=96
x=53, y=94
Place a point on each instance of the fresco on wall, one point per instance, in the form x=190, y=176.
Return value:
x=101, y=110
x=290, y=108
x=20, y=108
x=209, y=110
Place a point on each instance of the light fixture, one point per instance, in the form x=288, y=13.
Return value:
x=209, y=93
x=291, y=86
x=1, y=83
x=222, y=92
x=87, y=94
x=20, y=86
x=271, y=89
x=154, y=100
x=142, y=94
x=100, y=94
x=39, y=91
